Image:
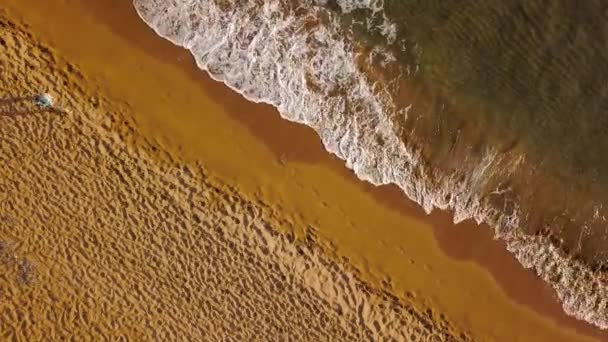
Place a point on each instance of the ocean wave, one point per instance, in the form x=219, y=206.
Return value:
x=298, y=57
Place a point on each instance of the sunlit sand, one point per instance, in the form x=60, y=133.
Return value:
x=152, y=207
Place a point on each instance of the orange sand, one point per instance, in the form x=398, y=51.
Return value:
x=391, y=250
x=104, y=237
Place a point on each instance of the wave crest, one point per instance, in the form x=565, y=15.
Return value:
x=298, y=57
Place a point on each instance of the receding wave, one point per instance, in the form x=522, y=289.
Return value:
x=378, y=98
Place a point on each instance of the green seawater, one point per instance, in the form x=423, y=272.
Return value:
x=539, y=68
x=530, y=75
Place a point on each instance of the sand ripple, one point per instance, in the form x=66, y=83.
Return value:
x=105, y=235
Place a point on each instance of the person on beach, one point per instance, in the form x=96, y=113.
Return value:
x=44, y=100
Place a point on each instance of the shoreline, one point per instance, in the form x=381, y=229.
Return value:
x=308, y=152
x=114, y=239
x=466, y=241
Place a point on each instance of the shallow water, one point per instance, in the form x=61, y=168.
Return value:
x=492, y=110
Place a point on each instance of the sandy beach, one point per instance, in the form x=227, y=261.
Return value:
x=164, y=206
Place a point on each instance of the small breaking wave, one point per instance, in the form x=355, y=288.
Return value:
x=301, y=58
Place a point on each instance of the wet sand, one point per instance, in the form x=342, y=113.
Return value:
x=382, y=234
x=104, y=235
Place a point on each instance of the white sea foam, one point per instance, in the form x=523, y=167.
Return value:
x=294, y=56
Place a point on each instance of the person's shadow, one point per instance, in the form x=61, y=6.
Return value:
x=16, y=106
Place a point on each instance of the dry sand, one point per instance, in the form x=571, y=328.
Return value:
x=163, y=217
x=100, y=240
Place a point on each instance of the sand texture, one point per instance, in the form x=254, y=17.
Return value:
x=305, y=60
x=99, y=239
x=163, y=206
